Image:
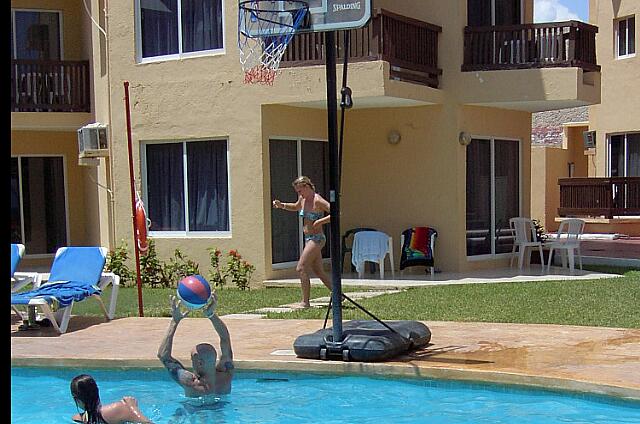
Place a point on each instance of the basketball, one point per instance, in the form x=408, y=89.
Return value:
x=194, y=291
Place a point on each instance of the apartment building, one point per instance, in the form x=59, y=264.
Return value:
x=439, y=134
x=595, y=174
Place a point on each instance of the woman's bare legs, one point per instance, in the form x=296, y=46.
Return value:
x=317, y=266
x=311, y=260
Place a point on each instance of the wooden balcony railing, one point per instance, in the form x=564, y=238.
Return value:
x=568, y=44
x=50, y=86
x=409, y=45
x=609, y=197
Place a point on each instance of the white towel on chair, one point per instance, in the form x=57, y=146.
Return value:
x=368, y=246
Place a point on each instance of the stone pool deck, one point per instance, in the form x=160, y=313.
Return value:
x=583, y=359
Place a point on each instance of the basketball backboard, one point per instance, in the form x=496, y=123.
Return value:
x=324, y=15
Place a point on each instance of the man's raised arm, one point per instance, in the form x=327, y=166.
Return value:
x=225, y=362
x=164, y=351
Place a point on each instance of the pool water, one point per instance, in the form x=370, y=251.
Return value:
x=41, y=395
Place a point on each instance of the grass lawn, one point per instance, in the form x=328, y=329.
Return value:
x=605, y=302
x=230, y=300
x=609, y=302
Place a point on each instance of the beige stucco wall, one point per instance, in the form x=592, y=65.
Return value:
x=539, y=191
x=548, y=164
x=417, y=182
x=576, y=152
x=620, y=88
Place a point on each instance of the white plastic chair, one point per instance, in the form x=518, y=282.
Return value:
x=567, y=241
x=372, y=246
x=525, y=239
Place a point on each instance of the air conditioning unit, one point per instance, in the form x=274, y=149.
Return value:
x=589, y=139
x=93, y=141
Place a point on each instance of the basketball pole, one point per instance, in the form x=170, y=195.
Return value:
x=133, y=199
x=334, y=189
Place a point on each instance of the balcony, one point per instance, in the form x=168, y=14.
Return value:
x=608, y=197
x=50, y=86
x=562, y=44
x=531, y=67
x=409, y=46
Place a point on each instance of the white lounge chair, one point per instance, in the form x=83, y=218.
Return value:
x=76, y=274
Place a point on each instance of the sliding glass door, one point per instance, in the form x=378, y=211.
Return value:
x=493, y=194
x=624, y=155
x=38, y=203
x=288, y=160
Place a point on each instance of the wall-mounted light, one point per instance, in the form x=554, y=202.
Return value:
x=393, y=137
x=464, y=138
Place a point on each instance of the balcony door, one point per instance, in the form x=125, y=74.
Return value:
x=624, y=155
x=494, y=12
x=36, y=34
x=493, y=195
x=288, y=160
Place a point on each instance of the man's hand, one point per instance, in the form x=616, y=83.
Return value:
x=175, y=310
x=211, y=306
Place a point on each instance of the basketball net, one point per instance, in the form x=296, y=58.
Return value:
x=265, y=28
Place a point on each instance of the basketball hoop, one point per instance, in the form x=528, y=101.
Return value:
x=265, y=28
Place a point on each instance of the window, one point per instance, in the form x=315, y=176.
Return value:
x=290, y=159
x=624, y=155
x=493, y=195
x=187, y=187
x=494, y=12
x=35, y=35
x=174, y=28
x=626, y=37
x=38, y=204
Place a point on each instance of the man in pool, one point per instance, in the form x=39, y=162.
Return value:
x=208, y=377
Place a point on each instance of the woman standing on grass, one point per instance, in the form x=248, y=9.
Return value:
x=311, y=207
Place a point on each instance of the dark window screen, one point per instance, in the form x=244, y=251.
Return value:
x=165, y=187
x=479, y=197
x=478, y=13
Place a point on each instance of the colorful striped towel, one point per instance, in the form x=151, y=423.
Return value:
x=416, y=248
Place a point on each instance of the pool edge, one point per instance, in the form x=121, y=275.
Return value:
x=366, y=368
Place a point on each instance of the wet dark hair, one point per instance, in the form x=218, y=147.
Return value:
x=85, y=389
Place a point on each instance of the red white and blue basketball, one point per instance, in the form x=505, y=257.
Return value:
x=194, y=291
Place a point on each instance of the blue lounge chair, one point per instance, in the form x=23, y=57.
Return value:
x=76, y=274
x=21, y=279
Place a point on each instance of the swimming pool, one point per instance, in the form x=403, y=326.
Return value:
x=41, y=395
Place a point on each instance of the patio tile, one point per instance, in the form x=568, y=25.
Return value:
x=496, y=275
